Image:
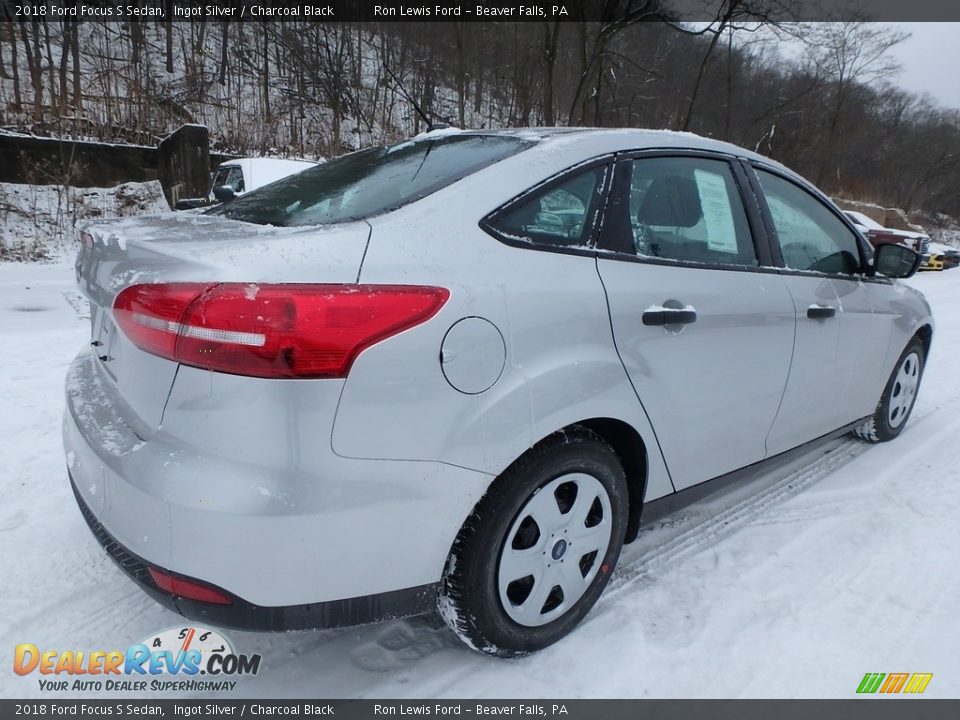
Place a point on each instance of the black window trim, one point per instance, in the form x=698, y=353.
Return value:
x=750, y=167
x=754, y=202
x=750, y=204
x=595, y=212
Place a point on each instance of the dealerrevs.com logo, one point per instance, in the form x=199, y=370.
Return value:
x=172, y=660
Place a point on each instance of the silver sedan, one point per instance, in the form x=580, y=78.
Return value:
x=462, y=370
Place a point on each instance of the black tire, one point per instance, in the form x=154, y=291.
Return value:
x=879, y=428
x=470, y=600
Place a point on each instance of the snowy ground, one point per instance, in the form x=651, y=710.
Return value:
x=829, y=569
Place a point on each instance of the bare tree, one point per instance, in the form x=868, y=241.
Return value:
x=551, y=43
x=733, y=16
x=846, y=55
x=62, y=68
x=32, y=51
x=614, y=20
x=75, y=59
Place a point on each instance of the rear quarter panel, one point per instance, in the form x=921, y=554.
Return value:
x=560, y=367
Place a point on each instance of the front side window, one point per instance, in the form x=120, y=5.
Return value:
x=235, y=179
x=231, y=176
x=370, y=182
x=560, y=214
x=811, y=237
x=688, y=209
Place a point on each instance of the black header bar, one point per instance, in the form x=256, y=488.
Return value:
x=604, y=11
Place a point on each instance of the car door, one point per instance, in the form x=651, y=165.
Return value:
x=841, y=342
x=704, y=331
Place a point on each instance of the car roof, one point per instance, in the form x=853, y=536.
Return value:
x=627, y=138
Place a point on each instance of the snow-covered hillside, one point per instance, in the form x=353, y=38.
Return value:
x=302, y=92
x=36, y=220
x=841, y=564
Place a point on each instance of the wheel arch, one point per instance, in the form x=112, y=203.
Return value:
x=630, y=449
x=628, y=444
x=925, y=333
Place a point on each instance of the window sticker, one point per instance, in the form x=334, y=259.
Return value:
x=717, y=214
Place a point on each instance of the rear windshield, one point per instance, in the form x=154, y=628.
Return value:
x=370, y=182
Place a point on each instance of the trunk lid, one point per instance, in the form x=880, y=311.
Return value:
x=185, y=247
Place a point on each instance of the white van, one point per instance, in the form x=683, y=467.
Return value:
x=246, y=174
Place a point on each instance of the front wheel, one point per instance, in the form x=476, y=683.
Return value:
x=539, y=548
x=898, y=397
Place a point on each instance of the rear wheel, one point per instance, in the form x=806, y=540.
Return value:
x=898, y=397
x=539, y=548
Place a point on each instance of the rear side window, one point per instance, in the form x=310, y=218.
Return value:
x=370, y=182
x=561, y=214
x=811, y=237
x=679, y=208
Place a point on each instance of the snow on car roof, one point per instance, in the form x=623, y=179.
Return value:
x=605, y=139
x=615, y=139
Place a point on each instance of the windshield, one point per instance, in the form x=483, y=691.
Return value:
x=370, y=182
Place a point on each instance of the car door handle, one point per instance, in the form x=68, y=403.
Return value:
x=819, y=312
x=669, y=316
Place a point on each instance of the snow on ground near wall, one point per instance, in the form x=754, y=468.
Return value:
x=842, y=564
x=33, y=217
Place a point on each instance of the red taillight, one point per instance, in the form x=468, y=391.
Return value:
x=273, y=331
x=187, y=589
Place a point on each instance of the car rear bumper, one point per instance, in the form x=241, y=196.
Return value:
x=313, y=541
x=243, y=615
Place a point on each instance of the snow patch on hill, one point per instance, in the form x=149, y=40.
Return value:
x=36, y=221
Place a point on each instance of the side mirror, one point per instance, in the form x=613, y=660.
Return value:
x=895, y=261
x=224, y=193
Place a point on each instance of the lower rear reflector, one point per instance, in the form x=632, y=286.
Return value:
x=187, y=589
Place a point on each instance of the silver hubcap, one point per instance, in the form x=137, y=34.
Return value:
x=904, y=390
x=554, y=549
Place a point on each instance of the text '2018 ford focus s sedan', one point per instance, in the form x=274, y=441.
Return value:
x=458, y=372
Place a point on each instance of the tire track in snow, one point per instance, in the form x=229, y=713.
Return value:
x=696, y=534
x=726, y=522
x=926, y=431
